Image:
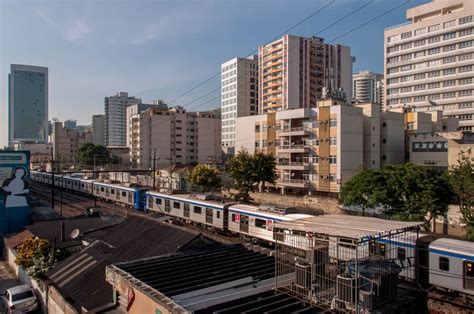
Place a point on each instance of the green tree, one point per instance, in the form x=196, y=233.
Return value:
x=413, y=192
x=249, y=171
x=364, y=190
x=87, y=151
x=204, y=178
x=461, y=178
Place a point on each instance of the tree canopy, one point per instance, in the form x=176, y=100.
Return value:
x=204, y=178
x=404, y=192
x=461, y=178
x=87, y=151
x=248, y=171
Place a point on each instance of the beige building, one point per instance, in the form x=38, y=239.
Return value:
x=135, y=109
x=40, y=154
x=367, y=87
x=429, y=60
x=97, y=129
x=174, y=137
x=440, y=149
x=318, y=149
x=293, y=70
x=66, y=143
x=239, y=96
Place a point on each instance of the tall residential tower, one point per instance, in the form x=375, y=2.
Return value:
x=239, y=96
x=115, y=126
x=293, y=71
x=28, y=104
x=367, y=87
x=429, y=61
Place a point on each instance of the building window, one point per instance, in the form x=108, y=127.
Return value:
x=410, y=125
x=465, y=44
x=333, y=122
x=465, y=32
x=406, y=35
x=434, y=28
x=333, y=141
x=444, y=263
x=449, y=24
x=450, y=35
x=466, y=19
x=332, y=159
x=464, y=93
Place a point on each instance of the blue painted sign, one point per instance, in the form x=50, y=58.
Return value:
x=14, y=190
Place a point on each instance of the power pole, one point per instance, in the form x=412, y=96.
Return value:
x=154, y=169
x=52, y=179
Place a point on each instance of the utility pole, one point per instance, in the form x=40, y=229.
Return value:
x=154, y=168
x=94, y=166
x=52, y=178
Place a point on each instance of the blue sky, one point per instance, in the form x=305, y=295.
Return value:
x=159, y=49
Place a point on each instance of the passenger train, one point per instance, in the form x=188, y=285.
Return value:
x=444, y=262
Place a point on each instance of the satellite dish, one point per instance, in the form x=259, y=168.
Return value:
x=74, y=234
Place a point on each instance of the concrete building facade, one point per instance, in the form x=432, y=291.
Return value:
x=115, y=108
x=97, y=129
x=239, y=96
x=367, y=87
x=135, y=109
x=66, y=143
x=318, y=149
x=293, y=70
x=28, y=104
x=174, y=137
x=429, y=61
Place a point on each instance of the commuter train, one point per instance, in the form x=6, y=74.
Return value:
x=443, y=262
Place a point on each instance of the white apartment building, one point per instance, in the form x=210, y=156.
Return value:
x=429, y=61
x=367, y=87
x=239, y=96
x=115, y=122
x=174, y=137
x=318, y=149
x=293, y=70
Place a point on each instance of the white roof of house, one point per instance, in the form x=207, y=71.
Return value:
x=347, y=226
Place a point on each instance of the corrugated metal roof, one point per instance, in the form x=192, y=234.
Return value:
x=81, y=277
x=354, y=227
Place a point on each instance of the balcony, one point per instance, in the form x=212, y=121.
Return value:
x=298, y=183
x=293, y=149
x=299, y=131
x=294, y=165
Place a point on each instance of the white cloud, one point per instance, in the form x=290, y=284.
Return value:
x=76, y=31
x=44, y=16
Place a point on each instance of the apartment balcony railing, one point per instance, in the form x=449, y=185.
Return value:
x=293, y=182
x=293, y=131
x=293, y=149
x=293, y=165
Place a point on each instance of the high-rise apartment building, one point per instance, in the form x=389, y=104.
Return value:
x=239, y=96
x=66, y=143
x=174, y=137
x=429, y=61
x=367, y=87
x=98, y=123
x=135, y=109
x=28, y=104
x=115, y=122
x=293, y=70
x=320, y=148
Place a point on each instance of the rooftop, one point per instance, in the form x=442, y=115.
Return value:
x=354, y=227
x=200, y=280
x=80, y=279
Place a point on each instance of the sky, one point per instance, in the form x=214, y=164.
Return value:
x=161, y=49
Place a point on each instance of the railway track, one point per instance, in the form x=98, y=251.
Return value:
x=442, y=302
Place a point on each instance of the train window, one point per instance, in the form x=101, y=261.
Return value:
x=82, y=184
x=177, y=205
x=75, y=183
x=158, y=201
x=444, y=263
x=401, y=253
x=197, y=210
x=124, y=194
x=101, y=189
x=233, y=217
x=112, y=191
x=260, y=223
x=218, y=214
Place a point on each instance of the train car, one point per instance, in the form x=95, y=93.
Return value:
x=116, y=193
x=451, y=265
x=191, y=207
x=256, y=222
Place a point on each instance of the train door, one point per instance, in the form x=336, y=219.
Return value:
x=209, y=214
x=117, y=196
x=244, y=223
x=186, y=210
x=167, y=205
x=423, y=266
x=468, y=275
x=107, y=192
x=130, y=199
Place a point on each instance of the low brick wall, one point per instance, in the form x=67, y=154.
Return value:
x=309, y=204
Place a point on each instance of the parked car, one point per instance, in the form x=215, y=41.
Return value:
x=19, y=299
